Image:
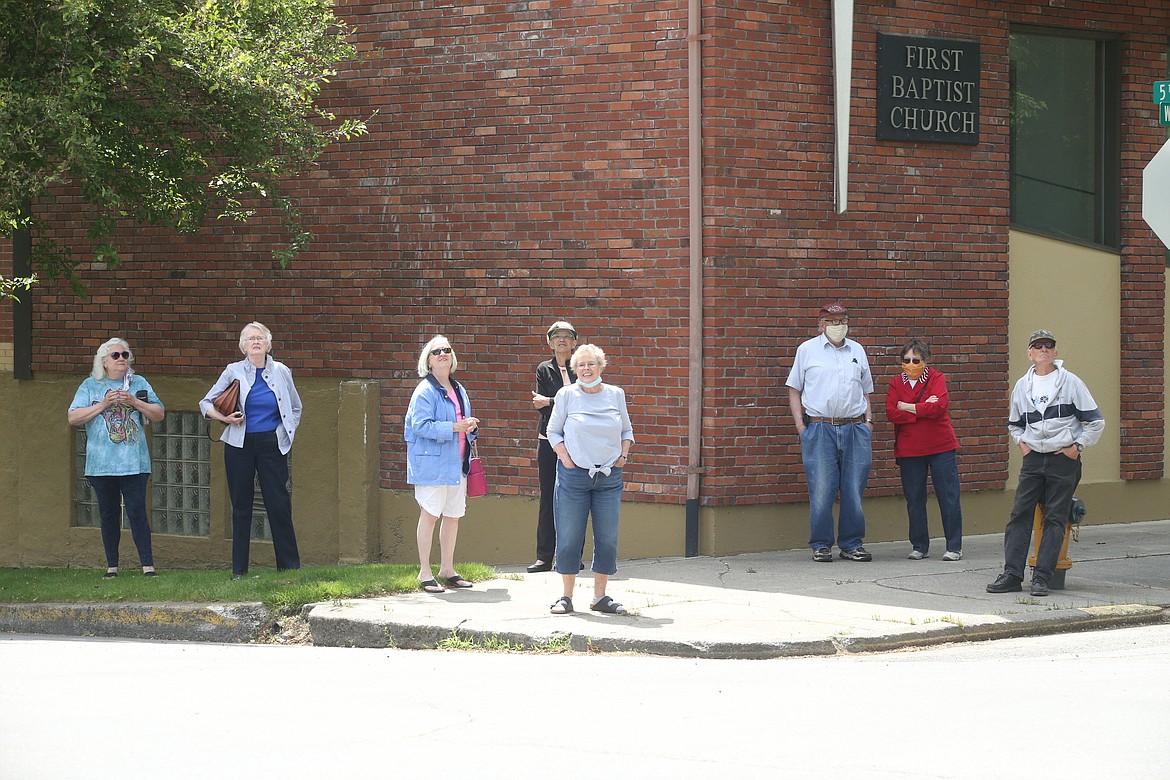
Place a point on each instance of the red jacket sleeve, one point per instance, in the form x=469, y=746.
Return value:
x=936, y=385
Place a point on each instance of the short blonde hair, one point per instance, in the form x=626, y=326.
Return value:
x=424, y=357
x=99, y=368
x=265, y=332
x=588, y=349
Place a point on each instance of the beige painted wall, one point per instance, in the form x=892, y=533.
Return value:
x=1075, y=292
x=335, y=488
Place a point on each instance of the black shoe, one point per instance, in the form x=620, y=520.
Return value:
x=539, y=566
x=1039, y=587
x=823, y=555
x=857, y=554
x=1005, y=583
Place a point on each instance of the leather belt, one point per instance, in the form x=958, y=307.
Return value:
x=838, y=420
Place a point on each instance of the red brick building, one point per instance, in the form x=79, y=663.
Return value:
x=529, y=162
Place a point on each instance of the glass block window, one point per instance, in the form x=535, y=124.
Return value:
x=181, y=483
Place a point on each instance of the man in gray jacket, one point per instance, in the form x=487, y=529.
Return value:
x=1053, y=418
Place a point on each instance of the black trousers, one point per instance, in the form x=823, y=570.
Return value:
x=546, y=530
x=260, y=457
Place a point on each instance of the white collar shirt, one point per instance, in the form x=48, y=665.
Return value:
x=833, y=381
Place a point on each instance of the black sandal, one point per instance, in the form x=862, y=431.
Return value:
x=432, y=586
x=608, y=606
x=562, y=606
x=456, y=581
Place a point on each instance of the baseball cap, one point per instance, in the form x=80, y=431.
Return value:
x=560, y=325
x=1040, y=335
x=832, y=310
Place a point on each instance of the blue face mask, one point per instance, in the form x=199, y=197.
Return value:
x=594, y=383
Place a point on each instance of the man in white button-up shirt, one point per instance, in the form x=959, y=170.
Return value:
x=828, y=392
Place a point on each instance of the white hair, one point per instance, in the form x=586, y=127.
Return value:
x=588, y=349
x=99, y=369
x=424, y=357
x=258, y=327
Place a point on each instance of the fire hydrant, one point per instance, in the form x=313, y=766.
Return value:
x=1072, y=529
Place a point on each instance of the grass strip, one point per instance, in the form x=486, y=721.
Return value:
x=283, y=592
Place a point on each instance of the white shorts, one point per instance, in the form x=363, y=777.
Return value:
x=443, y=500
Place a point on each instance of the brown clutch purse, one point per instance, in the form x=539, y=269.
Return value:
x=226, y=402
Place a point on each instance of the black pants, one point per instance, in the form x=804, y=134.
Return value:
x=546, y=531
x=1049, y=479
x=260, y=456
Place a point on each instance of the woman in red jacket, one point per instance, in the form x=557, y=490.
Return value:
x=924, y=440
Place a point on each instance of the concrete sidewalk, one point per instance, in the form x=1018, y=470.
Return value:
x=759, y=605
x=765, y=605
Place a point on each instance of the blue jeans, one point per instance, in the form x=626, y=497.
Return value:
x=111, y=492
x=576, y=497
x=836, y=460
x=944, y=474
x=1048, y=479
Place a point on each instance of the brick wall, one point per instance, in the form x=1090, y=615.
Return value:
x=527, y=162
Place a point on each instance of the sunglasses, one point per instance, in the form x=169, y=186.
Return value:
x=915, y=361
x=119, y=355
x=441, y=351
x=1043, y=345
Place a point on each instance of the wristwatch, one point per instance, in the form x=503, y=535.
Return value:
x=1080, y=447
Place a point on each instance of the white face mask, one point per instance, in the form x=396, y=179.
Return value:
x=836, y=333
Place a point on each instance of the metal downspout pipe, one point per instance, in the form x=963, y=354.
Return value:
x=695, y=221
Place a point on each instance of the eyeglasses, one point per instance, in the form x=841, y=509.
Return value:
x=842, y=321
x=441, y=351
x=915, y=361
x=120, y=355
x=566, y=336
x=590, y=364
x=1043, y=345
x=256, y=338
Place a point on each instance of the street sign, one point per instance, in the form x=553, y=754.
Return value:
x=1162, y=91
x=1156, y=193
x=1164, y=113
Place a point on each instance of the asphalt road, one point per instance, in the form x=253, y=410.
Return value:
x=1070, y=706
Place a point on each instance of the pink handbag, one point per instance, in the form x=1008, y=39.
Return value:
x=476, y=479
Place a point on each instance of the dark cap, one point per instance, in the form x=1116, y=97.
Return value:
x=833, y=310
x=1039, y=336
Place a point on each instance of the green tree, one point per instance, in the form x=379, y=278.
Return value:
x=162, y=112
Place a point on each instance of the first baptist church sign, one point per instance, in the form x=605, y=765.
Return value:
x=928, y=89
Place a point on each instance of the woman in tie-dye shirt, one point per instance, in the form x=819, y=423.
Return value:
x=113, y=404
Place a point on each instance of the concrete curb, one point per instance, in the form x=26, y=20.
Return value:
x=230, y=623
x=336, y=631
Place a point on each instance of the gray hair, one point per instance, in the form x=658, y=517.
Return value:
x=916, y=345
x=99, y=370
x=424, y=357
x=257, y=326
x=588, y=349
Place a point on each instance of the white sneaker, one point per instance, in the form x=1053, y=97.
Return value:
x=953, y=555
x=917, y=556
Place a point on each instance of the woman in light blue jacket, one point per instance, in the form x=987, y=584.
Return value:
x=439, y=431
x=259, y=436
